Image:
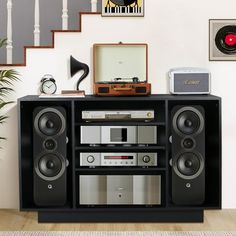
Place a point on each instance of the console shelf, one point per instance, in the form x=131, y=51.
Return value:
x=133, y=123
x=117, y=149
x=138, y=186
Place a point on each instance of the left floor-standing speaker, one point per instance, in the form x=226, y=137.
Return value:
x=49, y=156
x=188, y=155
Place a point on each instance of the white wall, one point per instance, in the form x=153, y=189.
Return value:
x=177, y=35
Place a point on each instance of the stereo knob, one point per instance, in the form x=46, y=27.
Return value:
x=90, y=159
x=146, y=159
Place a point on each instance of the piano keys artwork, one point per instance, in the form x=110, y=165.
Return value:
x=122, y=7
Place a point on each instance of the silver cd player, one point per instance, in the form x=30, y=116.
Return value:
x=118, y=115
x=118, y=159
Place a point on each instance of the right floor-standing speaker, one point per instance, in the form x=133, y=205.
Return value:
x=188, y=155
x=49, y=154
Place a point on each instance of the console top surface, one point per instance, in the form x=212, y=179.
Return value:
x=130, y=98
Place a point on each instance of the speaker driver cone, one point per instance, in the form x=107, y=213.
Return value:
x=50, y=165
x=50, y=122
x=188, y=165
x=188, y=121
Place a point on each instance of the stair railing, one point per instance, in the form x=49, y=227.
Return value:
x=65, y=17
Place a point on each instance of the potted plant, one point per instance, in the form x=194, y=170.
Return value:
x=7, y=77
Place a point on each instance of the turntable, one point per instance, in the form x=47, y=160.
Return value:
x=121, y=70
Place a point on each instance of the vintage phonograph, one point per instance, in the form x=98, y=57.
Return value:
x=121, y=69
x=76, y=66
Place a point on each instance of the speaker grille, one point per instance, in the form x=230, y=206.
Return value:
x=103, y=90
x=140, y=90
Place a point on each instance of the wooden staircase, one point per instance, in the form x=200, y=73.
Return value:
x=53, y=41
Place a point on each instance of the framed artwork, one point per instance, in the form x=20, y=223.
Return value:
x=122, y=7
x=222, y=40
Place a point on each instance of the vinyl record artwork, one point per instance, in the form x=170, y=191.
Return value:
x=122, y=7
x=222, y=40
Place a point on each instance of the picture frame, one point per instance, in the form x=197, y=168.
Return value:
x=131, y=8
x=222, y=40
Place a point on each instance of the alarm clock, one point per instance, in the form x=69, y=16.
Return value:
x=48, y=85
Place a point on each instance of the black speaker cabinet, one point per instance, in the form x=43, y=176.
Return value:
x=186, y=169
x=49, y=156
x=188, y=155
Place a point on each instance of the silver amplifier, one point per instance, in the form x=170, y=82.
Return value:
x=118, y=159
x=118, y=115
x=118, y=135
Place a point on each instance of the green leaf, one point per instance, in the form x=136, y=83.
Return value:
x=3, y=42
x=2, y=119
x=5, y=91
x=2, y=104
x=7, y=77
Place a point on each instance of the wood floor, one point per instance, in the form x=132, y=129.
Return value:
x=224, y=220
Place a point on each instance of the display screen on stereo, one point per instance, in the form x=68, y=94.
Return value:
x=118, y=116
x=119, y=157
x=118, y=134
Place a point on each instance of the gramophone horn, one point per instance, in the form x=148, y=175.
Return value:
x=76, y=66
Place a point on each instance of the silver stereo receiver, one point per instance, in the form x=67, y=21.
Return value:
x=118, y=135
x=118, y=115
x=118, y=159
x=189, y=80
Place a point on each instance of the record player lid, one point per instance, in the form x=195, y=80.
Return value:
x=113, y=61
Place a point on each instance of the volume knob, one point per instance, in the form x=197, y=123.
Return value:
x=146, y=159
x=90, y=159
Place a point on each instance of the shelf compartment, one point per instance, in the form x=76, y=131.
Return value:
x=117, y=148
x=120, y=135
x=119, y=190
x=137, y=104
x=132, y=158
x=119, y=123
x=123, y=169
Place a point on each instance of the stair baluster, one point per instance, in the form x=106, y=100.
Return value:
x=36, y=24
x=64, y=14
x=9, y=46
x=94, y=5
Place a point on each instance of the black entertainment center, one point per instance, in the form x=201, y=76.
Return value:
x=163, y=168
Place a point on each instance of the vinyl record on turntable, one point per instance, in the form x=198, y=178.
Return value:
x=222, y=40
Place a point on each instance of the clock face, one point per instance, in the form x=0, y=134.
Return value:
x=49, y=87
